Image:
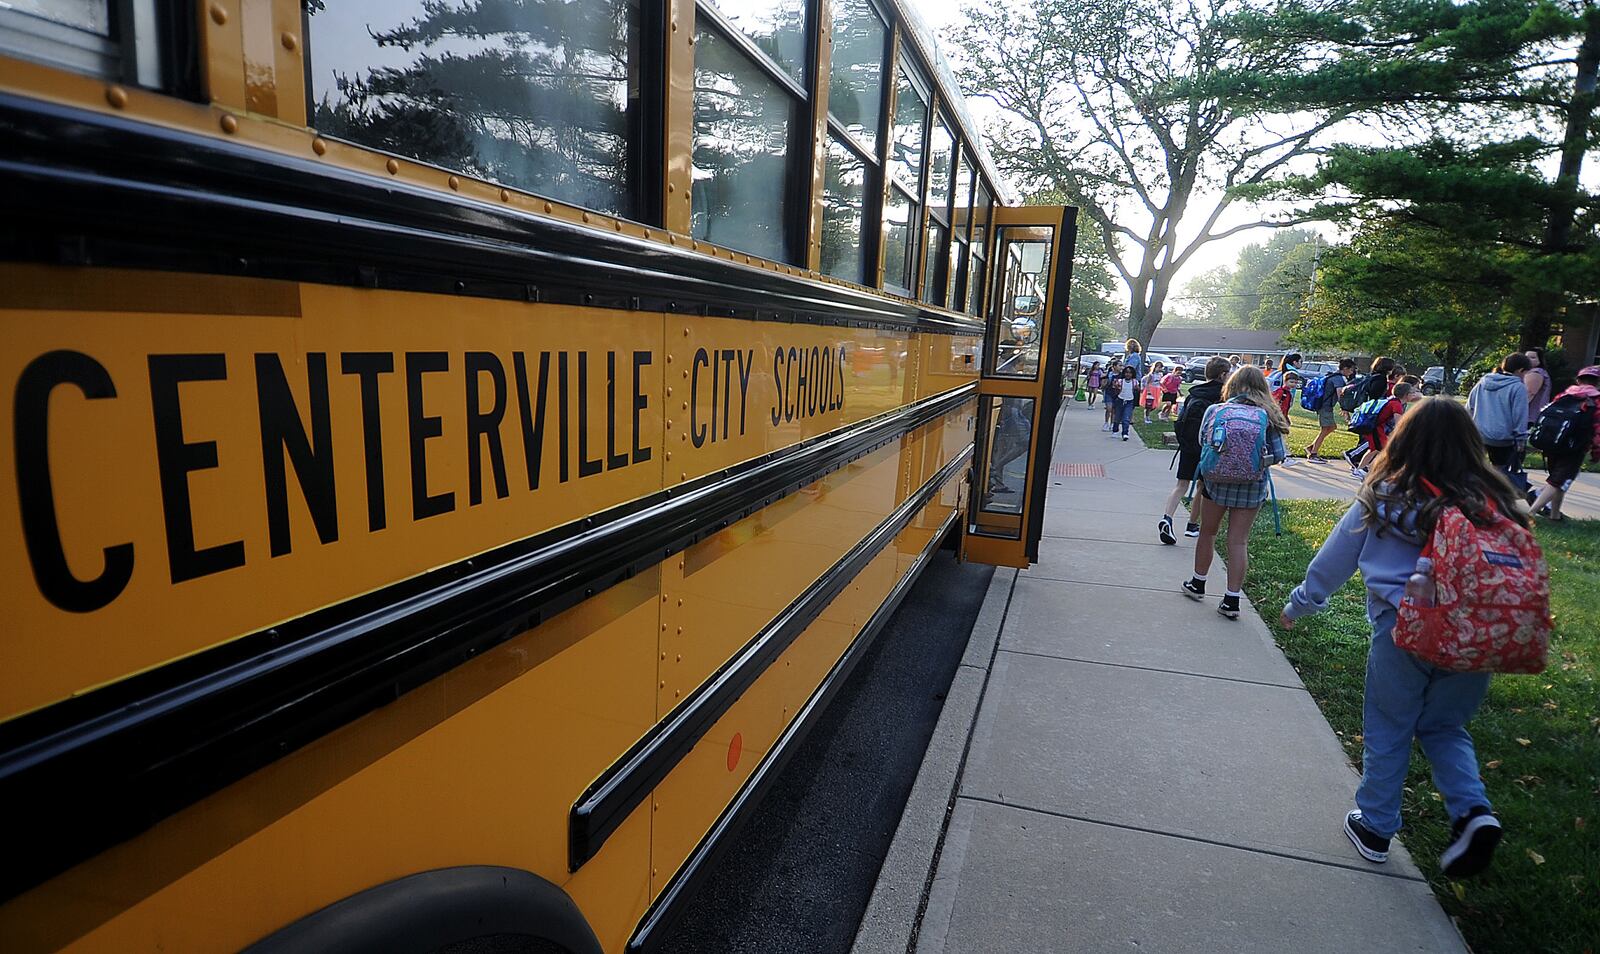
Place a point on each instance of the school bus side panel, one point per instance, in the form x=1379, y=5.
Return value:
x=586, y=385
x=476, y=767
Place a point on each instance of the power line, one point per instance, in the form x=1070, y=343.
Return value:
x=1240, y=295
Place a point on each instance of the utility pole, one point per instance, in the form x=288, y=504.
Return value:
x=1316, y=259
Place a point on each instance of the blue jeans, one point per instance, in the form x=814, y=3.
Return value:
x=1124, y=416
x=1406, y=698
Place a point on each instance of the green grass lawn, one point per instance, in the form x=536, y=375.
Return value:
x=1538, y=739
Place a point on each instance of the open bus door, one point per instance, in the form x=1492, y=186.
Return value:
x=1020, y=379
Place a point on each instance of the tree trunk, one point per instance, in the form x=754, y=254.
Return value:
x=1558, y=227
x=1147, y=303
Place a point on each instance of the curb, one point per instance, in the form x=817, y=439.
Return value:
x=893, y=914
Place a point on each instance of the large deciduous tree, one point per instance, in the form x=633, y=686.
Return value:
x=1398, y=289
x=1485, y=114
x=1109, y=101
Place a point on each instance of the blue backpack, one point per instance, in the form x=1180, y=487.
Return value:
x=1233, y=443
x=1314, y=394
x=1365, y=417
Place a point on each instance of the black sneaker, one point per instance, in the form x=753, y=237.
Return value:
x=1229, y=607
x=1164, y=527
x=1191, y=529
x=1372, y=847
x=1473, y=838
x=1195, y=589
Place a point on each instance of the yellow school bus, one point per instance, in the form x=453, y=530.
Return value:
x=454, y=449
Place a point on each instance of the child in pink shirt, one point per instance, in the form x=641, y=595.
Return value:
x=1169, y=394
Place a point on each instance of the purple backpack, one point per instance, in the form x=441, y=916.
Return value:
x=1233, y=444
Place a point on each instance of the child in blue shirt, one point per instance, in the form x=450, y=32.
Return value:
x=1382, y=535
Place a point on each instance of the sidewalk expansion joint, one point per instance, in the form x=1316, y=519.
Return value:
x=1033, y=574
x=1368, y=869
x=1173, y=672
x=1137, y=543
x=961, y=771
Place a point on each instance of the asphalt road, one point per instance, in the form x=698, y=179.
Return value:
x=798, y=875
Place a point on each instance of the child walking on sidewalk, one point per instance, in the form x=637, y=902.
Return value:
x=1200, y=399
x=1127, y=399
x=1239, y=439
x=1434, y=460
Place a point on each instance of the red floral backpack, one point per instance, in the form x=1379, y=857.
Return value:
x=1491, y=609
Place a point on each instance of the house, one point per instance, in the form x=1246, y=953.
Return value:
x=1580, y=334
x=1256, y=346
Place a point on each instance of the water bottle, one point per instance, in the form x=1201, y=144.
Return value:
x=1420, y=589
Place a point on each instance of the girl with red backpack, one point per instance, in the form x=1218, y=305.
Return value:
x=1565, y=429
x=1433, y=480
x=1239, y=439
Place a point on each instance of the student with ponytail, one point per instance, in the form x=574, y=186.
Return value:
x=1240, y=439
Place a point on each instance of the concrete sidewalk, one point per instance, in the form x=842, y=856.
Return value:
x=1118, y=768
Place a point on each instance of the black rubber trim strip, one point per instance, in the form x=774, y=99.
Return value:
x=93, y=770
x=430, y=910
x=627, y=783
x=82, y=188
x=652, y=930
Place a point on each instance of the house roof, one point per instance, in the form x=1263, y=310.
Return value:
x=1217, y=340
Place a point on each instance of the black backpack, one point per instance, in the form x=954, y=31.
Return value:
x=1565, y=426
x=1353, y=395
x=1187, y=425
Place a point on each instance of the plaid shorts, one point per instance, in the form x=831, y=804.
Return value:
x=1248, y=496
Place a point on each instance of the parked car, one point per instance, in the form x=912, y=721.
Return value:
x=1195, y=370
x=1316, y=369
x=1433, y=379
x=1087, y=361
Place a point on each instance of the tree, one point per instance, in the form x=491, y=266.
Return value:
x=1397, y=289
x=1279, y=281
x=1095, y=312
x=1093, y=292
x=1265, y=288
x=1487, y=108
x=1200, y=300
x=1107, y=100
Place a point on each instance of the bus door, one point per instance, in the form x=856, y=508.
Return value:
x=1020, y=381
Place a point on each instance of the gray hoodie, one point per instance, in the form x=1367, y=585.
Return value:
x=1386, y=561
x=1499, y=406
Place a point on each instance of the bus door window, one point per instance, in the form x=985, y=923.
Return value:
x=1018, y=309
x=1007, y=427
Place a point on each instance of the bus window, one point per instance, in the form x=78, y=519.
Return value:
x=1007, y=427
x=745, y=121
x=777, y=27
x=897, y=257
x=85, y=36
x=486, y=91
x=1024, y=260
x=855, y=77
x=854, y=163
x=907, y=140
x=843, y=241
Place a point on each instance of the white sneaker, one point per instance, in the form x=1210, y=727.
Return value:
x=1359, y=473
